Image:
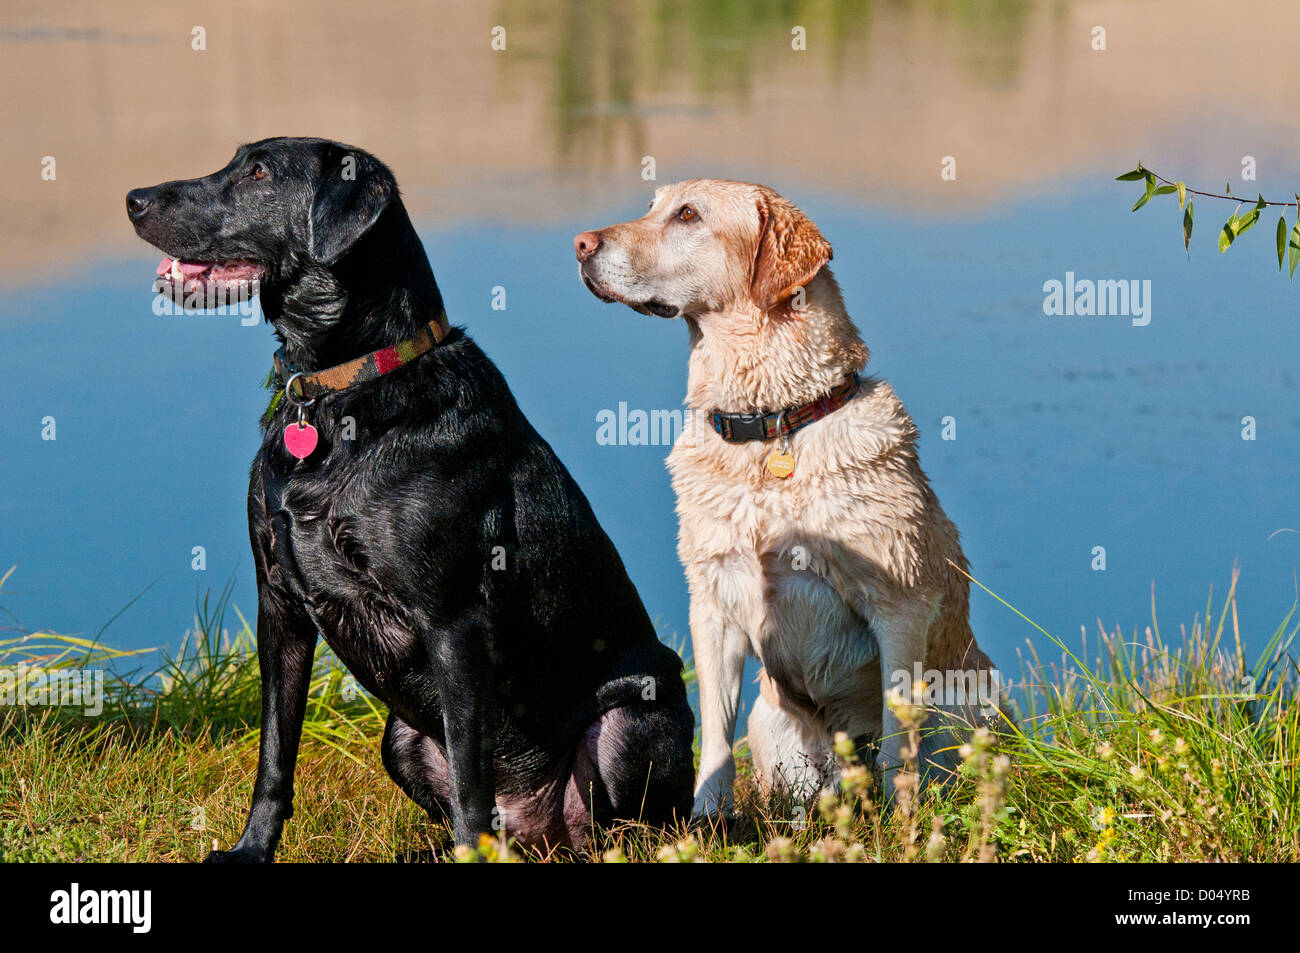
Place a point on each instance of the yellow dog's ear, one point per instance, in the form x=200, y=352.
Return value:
x=790, y=251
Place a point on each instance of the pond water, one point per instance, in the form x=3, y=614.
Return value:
x=1071, y=432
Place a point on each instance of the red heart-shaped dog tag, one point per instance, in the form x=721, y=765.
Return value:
x=300, y=440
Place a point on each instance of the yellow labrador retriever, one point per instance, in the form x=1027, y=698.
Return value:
x=809, y=532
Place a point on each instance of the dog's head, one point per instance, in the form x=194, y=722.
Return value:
x=279, y=207
x=704, y=246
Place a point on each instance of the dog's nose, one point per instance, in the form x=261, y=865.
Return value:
x=138, y=202
x=585, y=245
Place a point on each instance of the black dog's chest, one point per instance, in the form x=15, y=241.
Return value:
x=313, y=563
x=272, y=527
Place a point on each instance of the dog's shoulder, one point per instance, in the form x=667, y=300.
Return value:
x=878, y=416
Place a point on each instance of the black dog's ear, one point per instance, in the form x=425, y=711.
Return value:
x=354, y=191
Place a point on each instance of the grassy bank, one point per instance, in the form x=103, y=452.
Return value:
x=1145, y=747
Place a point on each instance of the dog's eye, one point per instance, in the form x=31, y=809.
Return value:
x=686, y=214
x=256, y=172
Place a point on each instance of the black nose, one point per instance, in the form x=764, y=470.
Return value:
x=138, y=202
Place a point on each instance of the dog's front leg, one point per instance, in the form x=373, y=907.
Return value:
x=902, y=638
x=285, y=650
x=465, y=686
x=719, y=645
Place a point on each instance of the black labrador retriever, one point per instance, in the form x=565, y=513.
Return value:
x=402, y=507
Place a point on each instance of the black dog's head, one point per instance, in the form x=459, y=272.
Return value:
x=279, y=206
x=285, y=216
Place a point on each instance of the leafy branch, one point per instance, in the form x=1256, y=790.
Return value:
x=1288, y=244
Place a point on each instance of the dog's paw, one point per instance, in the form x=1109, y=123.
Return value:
x=713, y=813
x=714, y=797
x=726, y=823
x=236, y=856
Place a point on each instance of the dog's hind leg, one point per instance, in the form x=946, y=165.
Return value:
x=789, y=758
x=413, y=760
x=634, y=764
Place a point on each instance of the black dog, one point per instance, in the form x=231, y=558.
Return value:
x=430, y=536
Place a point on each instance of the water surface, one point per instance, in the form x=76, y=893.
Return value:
x=1071, y=432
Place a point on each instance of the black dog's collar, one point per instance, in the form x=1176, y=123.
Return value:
x=308, y=385
x=741, y=428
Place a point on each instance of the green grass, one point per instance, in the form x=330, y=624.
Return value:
x=1146, y=748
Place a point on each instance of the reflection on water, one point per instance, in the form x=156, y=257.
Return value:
x=584, y=90
x=613, y=62
x=1072, y=433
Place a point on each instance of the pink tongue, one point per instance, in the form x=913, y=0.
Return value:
x=188, y=269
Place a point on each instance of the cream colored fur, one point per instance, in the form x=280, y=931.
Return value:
x=837, y=577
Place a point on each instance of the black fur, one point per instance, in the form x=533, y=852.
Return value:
x=536, y=687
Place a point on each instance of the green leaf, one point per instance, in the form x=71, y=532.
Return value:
x=1247, y=221
x=1293, y=251
x=1229, y=233
x=1146, y=196
x=1165, y=190
x=1187, y=229
x=1138, y=173
x=1182, y=194
x=270, y=408
x=1281, y=241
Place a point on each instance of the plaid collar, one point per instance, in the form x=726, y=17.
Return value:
x=308, y=385
x=740, y=428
